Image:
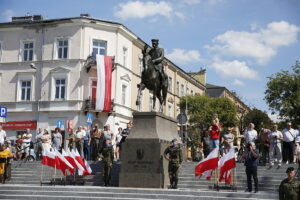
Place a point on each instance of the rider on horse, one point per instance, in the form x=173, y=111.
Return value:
x=157, y=56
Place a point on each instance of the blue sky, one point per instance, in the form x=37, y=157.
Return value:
x=239, y=42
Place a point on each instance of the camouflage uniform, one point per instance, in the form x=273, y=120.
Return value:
x=289, y=189
x=108, y=158
x=71, y=144
x=175, y=156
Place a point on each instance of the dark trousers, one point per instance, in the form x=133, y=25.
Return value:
x=106, y=172
x=251, y=171
x=173, y=169
x=288, y=152
x=86, y=150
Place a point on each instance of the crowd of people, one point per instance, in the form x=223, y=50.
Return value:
x=92, y=144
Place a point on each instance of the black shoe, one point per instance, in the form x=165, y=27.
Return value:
x=247, y=190
x=256, y=191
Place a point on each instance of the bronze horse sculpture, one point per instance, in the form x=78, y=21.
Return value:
x=152, y=80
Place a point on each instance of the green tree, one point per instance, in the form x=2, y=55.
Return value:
x=259, y=118
x=283, y=93
x=201, y=109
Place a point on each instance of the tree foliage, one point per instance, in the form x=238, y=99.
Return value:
x=283, y=93
x=201, y=110
x=259, y=118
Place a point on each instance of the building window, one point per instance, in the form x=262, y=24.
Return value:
x=60, y=88
x=125, y=52
x=140, y=65
x=1, y=47
x=177, y=88
x=192, y=92
x=99, y=47
x=150, y=103
x=140, y=107
x=170, y=84
x=62, y=48
x=25, y=90
x=124, y=92
x=170, y=109
x=177, y=110
x=28, y=51
x=182, y=90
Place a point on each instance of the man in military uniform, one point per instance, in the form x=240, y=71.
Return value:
x=289, y=187
x=175, y=160
x=157, y=56
x=108, y=158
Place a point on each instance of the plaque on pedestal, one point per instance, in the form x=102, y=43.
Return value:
x=142, y=161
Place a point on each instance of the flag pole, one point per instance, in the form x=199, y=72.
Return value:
x=216, y=175
x=42, y=174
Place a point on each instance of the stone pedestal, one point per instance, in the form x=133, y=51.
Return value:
x=142, y=161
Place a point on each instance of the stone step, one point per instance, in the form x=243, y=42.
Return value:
x=69, y=192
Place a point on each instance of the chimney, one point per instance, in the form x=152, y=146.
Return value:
x=85, y=15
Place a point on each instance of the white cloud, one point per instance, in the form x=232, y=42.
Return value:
x=139, y=9
x=193, y=2
x=274, y=117
x=234, y=69
x=7, y=15
x=261, y=45
x=238, y=82
x=182, y=56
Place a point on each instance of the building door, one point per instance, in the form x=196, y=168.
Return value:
x=94, y=93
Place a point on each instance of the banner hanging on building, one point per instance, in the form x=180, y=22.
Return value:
x=104, y=74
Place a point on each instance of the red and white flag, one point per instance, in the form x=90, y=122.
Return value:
x=226, y=163
x=88, y=170
x=206, y=166
x=49, y=159
x=64, y=163
x=71, y=158
x=104, y=74
x=80, y=161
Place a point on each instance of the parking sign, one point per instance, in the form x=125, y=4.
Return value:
x=3, y=111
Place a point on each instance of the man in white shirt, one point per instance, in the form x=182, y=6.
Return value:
x=26, y=139
x=289, y=136
x=275, y=138
x=250, y=134
x=2, y=135
x=297, y=146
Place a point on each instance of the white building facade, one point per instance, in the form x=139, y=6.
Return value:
x=43, y=78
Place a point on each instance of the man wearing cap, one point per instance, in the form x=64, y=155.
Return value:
x=289, y=187
x=107, y=158
x=175, y=160
x=157, y=56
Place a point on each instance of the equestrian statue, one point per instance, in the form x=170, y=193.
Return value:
x=153, y=76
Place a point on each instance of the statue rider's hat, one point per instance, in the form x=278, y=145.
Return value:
x=154, y=40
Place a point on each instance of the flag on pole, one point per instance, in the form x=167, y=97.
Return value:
x=71, y=158
x=104, y=74
x=80, y=161
x=226, y=163
x=64, y=164
x=206, y=166
x=49, y=159
x=88, y=170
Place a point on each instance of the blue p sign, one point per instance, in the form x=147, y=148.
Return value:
x=59, y=123
x=3, y=111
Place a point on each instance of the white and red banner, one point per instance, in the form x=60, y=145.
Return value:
x=64, y=164
x=206, y=166
x=104, y=74
x=226, y=163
